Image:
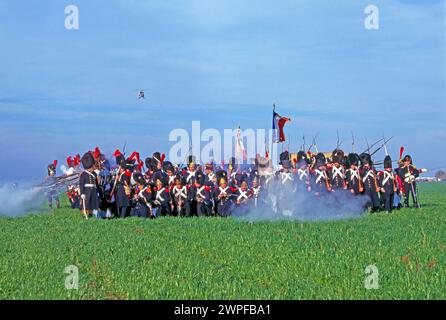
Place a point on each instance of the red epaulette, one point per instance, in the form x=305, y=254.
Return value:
x=166, y=189
x=128, y=173
x=207, y=188
x=233, y=189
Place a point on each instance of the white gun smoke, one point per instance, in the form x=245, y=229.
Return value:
x=19, y=200
x=277, y=203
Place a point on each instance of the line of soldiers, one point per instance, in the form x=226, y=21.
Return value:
x=164, y=189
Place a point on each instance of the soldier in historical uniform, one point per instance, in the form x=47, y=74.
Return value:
x=408, y=174
x=88, y=186
x=222, y=196
x=369, y=181
x=210, y=178
x=73, y=197
x=320, y=183
x=285, y=176
x=169, y=169
x=388, y=184
x=179, y=196
x=190, y=175
x=52, y=193
x=204, y=196
x=162, y=198
x=301, y=173
x=336, y=172
x=353, y=176
x=122, y=187
x=257, y=192
x=243, y=196
x=142, y=197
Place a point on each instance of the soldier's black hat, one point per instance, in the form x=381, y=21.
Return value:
x=87, y=161
x=337, y=156
x=353, y=159
x=120, y=161
x=151, y=163
x=130, y=164
x=365, y=159
x=320, y=160
x=139, y=178
x=158, y=157
x=232, y=161
x=284, y=156
x=179, y=178
x=191, y=160
x=221, y=174
x=52, y=168
x=200, y=178
x=167, y=165
x=407, y=158
x=387, y=162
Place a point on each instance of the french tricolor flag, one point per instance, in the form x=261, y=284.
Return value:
x=278, y=124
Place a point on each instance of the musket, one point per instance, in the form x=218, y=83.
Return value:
x=123, y=148
x=303, y=142
x=380, y=147
x=374, y=144
x=385, y=146
x=313, y=144
x=338, y=144
x=368, y=146
x=353, y=142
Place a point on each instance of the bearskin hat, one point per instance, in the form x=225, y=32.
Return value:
x=232, y=161
x=167, y=165
x=284, y=156
x=337, y=156
x=158, y=157
x=52, y=168
x=138, y=178
x=200, y=177
x=87, y=161
x=320, y=160
x=221, y=174
x=151, y=163
x=387, y=162
x=120, y=161
x=365, y=159
x=353, y=159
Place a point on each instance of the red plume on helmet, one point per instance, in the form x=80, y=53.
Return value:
x=117, y=153
x=266, y=154
x=77, y=160
x=401, y=152
x=163, y=156
x=70, y=161
x=55, y=163
x=135, y=155
x=96, y=153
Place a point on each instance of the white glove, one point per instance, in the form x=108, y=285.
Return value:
x=83, y=196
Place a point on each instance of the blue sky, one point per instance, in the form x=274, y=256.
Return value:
x=221, y=62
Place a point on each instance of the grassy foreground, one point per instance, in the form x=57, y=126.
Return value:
x=213, y=258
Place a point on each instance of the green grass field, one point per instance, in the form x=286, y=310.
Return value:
x=213, y=258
